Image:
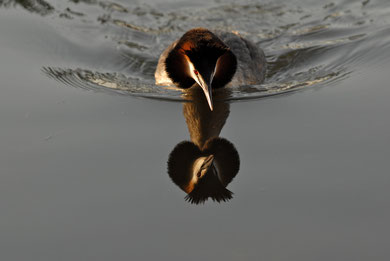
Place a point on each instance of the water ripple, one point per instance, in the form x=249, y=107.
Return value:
x=306, y=46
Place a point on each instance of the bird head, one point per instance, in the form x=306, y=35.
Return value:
x=201, y=57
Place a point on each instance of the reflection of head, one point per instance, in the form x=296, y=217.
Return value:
x=205, y=173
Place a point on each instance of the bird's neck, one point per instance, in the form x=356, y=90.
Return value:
x=202, y=123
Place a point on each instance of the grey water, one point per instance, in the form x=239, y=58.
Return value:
x=85, y=135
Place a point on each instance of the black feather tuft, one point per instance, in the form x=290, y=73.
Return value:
x=225, y=156
x=180, y=162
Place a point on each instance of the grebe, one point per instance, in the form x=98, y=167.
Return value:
x=212, y=60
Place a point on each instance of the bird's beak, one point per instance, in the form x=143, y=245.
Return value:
x=203, y=77
x=205, y=83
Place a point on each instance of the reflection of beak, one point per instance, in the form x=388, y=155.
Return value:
x=206, y=87
x=207, y=163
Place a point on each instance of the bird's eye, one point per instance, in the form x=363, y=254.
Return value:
x=196, y=72
x=199, y=174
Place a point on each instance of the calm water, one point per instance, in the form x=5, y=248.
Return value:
x=83, y=150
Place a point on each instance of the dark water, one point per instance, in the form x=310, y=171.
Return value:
x=83, y=174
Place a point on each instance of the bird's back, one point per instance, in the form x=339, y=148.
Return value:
x=251, y=62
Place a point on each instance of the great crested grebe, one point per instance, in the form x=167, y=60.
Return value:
x=212, y=60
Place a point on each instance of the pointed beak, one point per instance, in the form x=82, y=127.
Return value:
x=204, y=77
x=208, y=92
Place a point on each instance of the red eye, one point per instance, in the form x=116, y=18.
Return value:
x=196, y=72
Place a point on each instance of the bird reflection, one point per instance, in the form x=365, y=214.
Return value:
x=204, y=166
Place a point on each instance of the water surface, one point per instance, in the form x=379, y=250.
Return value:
x=83, y=174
